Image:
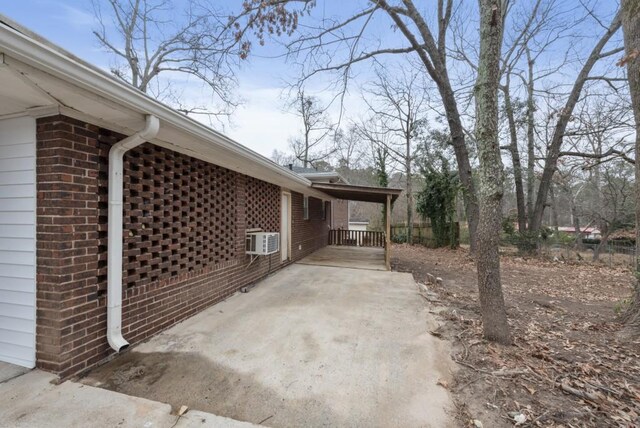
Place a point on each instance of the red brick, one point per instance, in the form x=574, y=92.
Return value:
x=183, y=238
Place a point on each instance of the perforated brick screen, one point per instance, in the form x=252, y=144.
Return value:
x=263, y=205
x=179, y=214
x=184, y=237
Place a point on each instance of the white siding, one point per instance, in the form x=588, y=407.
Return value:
x=18, y=241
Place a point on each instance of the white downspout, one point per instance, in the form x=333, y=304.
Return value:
x=115, y=227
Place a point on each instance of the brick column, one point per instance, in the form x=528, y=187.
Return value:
x=67, y=242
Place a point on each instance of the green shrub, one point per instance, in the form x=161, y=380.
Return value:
x=526, y=242
x=399, y=238
x=508, y=226
x=563, y=238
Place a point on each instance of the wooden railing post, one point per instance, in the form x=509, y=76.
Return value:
x=387, y=250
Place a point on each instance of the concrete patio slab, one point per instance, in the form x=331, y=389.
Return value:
x=33, y=400
x=350, y=257
x=309, y=346
x=8, y=371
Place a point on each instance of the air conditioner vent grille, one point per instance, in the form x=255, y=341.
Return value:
x=262, y=243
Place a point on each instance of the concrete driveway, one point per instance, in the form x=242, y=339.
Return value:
x=34, y=400
x=309, y=346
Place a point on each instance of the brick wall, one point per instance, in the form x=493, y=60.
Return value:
x=308, y=235
x=340, y=214
x=184, y=227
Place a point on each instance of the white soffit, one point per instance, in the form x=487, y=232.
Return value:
x=87, y=93
x=17, y=95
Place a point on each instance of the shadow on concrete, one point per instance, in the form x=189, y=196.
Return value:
x=178, y=378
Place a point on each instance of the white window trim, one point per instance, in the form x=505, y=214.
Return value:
x=305, y=208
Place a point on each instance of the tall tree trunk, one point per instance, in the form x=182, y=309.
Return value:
x=575, y=220
x=515, y=157
x=631, y=30
x=531, y=156
x=464, y=168
x=564, y=115
x=600, y=222
x=409, y=190
x=494, y=315
x=603, y=242
x=380, y=155
x=462, y=159
x=554, y=210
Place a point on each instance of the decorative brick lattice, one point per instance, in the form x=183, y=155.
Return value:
x=179, y=214
x=184, y=238
x=263, y=205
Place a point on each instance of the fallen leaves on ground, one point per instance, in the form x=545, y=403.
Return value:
x=568, y=366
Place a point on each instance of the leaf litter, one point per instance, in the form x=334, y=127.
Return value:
x=569, y=365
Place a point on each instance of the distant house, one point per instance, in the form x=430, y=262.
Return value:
x=120, y=216
x=587, y=232
x=359, y=225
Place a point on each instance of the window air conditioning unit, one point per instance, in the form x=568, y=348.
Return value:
x=262, y=243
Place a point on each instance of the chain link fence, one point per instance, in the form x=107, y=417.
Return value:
x=564, y=248
x=611, y=253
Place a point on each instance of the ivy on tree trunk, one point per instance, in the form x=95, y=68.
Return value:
x=437, y=202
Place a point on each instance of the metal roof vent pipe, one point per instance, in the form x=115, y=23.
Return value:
x=115, y=227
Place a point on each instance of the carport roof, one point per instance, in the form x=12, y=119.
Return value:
x=358, y=193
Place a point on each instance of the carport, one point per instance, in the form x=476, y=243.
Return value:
x=382, y=195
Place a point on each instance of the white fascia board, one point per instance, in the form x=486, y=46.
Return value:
x=72, y=70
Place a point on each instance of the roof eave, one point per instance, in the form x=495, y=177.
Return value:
x=358, y=193
x=40, y=55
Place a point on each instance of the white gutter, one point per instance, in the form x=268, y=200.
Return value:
x=114, y=230
x=25, y=46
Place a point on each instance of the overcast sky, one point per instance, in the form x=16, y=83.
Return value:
x=261, y=122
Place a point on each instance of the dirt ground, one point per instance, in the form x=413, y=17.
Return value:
x=569, y=365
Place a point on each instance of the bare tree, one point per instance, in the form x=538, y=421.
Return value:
x=531, y=108
x=534, y=24
x=514, y=151
x=338, y=45
x=494, y=315
x=282, y=158
x=374, y=133
x=563, y=118
x=537, y=28
x=151, y=40
x=315, y=144
x=599, y=136
x=349, y=148
x=555, y=222
x=631, y=29
x=380, y=155
x=565, y=183
x=615, y=193
x=399, y=104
